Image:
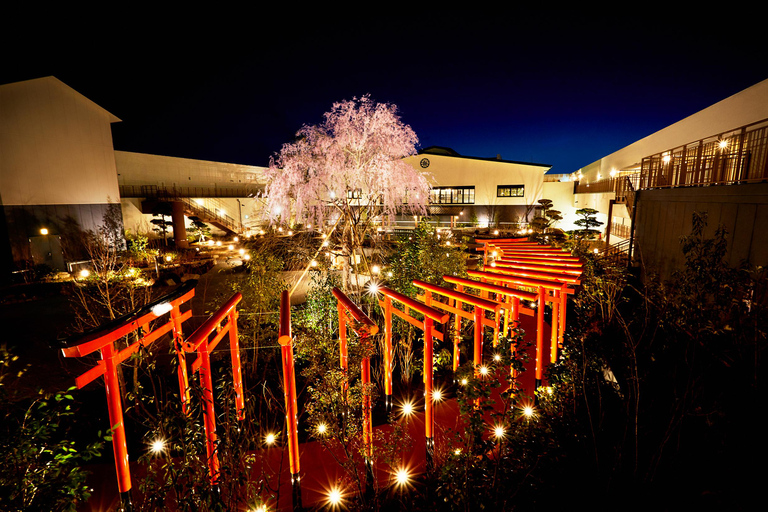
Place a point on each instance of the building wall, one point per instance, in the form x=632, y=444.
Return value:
x=485, y=175
x=57, y=167
x=55, y=146
x=165, y=171
x=663, y=216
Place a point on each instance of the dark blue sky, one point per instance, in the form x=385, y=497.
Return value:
x=555, y=87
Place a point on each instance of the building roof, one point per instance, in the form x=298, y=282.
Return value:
x=444, y=151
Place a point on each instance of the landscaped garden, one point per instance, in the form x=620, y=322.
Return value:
x=651, y=399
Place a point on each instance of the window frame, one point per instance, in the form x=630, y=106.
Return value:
x=452, y=195
x=500, y=188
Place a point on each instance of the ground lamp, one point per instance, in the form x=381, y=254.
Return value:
x=289, y=388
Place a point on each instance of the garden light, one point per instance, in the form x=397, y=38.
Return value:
x=402, y=476
x=322, y=428
x=270, y=439
x=43, y=231
x=85, y=273
x=335, y=497
x=157, y=446
x=483, y=370
x=528, y=411
x=499, y=431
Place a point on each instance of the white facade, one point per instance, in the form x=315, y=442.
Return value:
x=493, y=190
x=50, y=134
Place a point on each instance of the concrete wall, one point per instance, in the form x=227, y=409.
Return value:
x=55, y=146
x=663, y=216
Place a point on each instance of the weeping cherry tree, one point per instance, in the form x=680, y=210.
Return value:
x=348, y=171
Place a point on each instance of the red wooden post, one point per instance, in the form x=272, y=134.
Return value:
x=343, y=356
x=289, y=390
x=555, y=327
x=540, y=338
x=388, y=354
x=478, y=339
x=115, y=409
x=456, y=336
x=181, y=369
x=237, y=376
x=209, y=416
x=563, y=307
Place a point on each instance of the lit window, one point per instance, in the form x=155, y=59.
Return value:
x=510, y=191
x=452, y=195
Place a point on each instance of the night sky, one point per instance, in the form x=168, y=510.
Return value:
x=554, y=87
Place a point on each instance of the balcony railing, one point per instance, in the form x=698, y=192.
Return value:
x=737, y=156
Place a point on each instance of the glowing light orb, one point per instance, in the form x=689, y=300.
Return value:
x=499, y=431
x=335, y=496
x=402, y=476
x=322, y=428
x=483, y=370
x=528, y=411
x=157, y=446
x=85, y=273
x=270, y=439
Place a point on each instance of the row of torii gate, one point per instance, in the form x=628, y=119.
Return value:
x=518, y=277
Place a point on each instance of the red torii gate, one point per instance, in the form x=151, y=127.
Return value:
x=103, y=340
x=199, y=342
x=430, y=315
x=364, y=327
x=479, y=305
x=510, y=303
x=495, y=241
x=542, y=287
